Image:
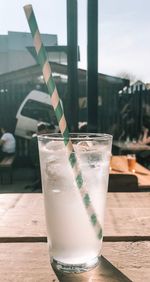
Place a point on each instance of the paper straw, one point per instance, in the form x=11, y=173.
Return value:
x=55, y=101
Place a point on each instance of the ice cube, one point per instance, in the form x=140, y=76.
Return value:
x=84, y=145
x=55, y=145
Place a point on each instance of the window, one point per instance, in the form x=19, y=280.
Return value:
x=39, y=111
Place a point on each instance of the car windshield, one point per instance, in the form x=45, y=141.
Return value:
x=39, y=111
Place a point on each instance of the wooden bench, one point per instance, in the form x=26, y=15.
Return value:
x=6, y=166
x=123, y=183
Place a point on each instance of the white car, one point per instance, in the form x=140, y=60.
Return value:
x=35, y=108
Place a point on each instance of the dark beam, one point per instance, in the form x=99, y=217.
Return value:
x=72, y=106
x=92, y=64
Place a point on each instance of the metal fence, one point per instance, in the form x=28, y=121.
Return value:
x=120, y=113
x=133, y=107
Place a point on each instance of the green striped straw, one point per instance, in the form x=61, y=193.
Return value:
x=55, y=101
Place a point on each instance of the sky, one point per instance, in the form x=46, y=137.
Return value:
x=123, y=31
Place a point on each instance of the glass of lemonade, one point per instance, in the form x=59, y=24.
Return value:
x=73, y=244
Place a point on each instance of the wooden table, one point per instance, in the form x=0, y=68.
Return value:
x=119, y=165
x=126, y=246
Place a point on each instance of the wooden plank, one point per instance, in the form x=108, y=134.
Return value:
x=132, y=258
x=127, y=216
x=30, y=262
x=119, y=165
x=8, y=201
x=22, y=216
x=25, y=262
x=25, y=217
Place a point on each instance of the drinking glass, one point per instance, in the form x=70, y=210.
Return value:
x=73, y=243
x=131, y=162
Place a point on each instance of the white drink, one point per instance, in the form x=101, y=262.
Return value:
x=70, y=233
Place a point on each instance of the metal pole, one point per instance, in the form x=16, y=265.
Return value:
x=72, y=58
x=92, y=65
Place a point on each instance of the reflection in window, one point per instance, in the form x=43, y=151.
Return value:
x=39, y=111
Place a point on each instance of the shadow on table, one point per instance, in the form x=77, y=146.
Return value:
x=104, y=272
x=123, y=183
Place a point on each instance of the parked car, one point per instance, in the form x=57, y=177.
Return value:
x=35, y=108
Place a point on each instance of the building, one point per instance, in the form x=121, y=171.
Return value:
x=15, y=53
x=20, y=73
